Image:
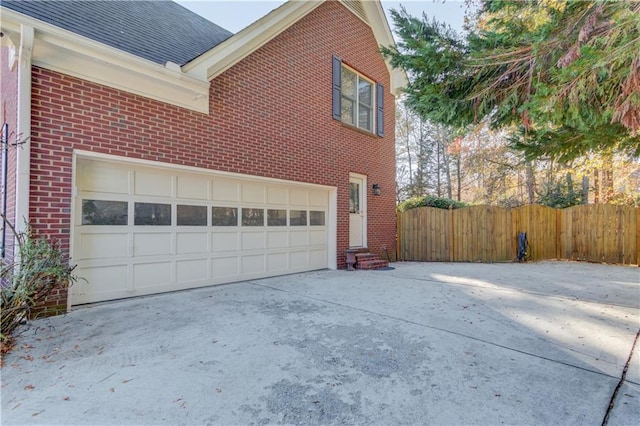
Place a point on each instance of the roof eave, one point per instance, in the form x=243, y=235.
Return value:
x=69, y=53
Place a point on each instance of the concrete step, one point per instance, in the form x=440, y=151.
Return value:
x=361, y=257
x=372, y=264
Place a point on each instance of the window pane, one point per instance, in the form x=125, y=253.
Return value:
x=224, y=216
x=348, y=112
x=252, y=217
x=99, y=212
x=365, y=115
x=152, y=214
x=298, y=218
x=365, y=90
x=192, y=215
x=316, y=218
x=277, y=218
x=354, y=198
x=349, y=81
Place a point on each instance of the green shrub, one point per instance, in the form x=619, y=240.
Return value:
x=431, y=201
x=38, y=267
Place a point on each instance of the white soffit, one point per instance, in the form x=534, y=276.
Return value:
x=69, y=53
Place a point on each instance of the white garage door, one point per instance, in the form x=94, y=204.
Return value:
x=143, y=230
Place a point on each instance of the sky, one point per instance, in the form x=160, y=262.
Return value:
x=234, y=15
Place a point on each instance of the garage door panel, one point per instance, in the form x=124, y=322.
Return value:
x=192, y=242
x=252, y=264
x=298, y=197
x=253, y=240
x=100, y=280
x=299, y=259
x=318, y=198
x=225, y=241
x=277, y=239
x=317, y=237
x=192, y=270
x=159, y=185
x=252, y=193
x=277, y=195
x=225, y=267
x=157, y=274
x=299, y=238
x=147, y=244
x=104, y=179
x=277, y=262
x=103, y=245
x=225, y=190
x=196, y=188
x=318, y=258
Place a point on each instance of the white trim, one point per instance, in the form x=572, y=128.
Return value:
x=228, y=53
x=23, y=131
x=332, y=229
x=69, y=53
x=364, y=205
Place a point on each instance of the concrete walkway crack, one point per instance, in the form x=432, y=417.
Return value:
x=623, y=378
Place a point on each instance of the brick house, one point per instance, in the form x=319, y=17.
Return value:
x=166, y=153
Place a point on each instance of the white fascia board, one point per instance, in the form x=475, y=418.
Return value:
x=69, y=53
x=228, y=53
x=384, y=37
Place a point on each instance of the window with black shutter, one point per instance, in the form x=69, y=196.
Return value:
x=357, y=100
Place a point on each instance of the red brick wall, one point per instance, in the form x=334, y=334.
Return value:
x=9, y=115
x=270, y=116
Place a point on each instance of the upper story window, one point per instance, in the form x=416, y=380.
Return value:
x=357, y=100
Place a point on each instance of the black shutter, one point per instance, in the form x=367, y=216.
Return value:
x=337, y=88
x=379, y=109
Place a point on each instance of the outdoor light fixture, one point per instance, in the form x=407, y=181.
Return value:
x=376, y=189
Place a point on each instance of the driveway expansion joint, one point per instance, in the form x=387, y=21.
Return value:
x=623, y=378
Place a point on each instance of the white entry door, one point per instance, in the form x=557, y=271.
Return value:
x=357, y=211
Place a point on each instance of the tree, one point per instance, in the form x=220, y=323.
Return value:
x=424, y=156
x=565, y=76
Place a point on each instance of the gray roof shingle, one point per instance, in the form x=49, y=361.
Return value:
x=157, y=30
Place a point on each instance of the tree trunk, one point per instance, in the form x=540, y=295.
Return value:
x=531, y=183
x=459, y=176
x=585, y=189
x=596, y=187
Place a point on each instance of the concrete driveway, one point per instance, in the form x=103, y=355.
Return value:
x=425, y=343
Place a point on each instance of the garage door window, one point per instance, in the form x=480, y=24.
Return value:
x=252, y=217
x=316, y=218
x=224, y=216
x=101, y=212
x=276, y=217
x=192, y=215
x=152, y=214
x=298, y=218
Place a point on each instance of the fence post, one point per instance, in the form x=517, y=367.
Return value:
x=558, y=234
x=398, y=235
x=451, y=237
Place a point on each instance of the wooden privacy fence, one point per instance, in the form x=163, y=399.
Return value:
x=594, y=233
